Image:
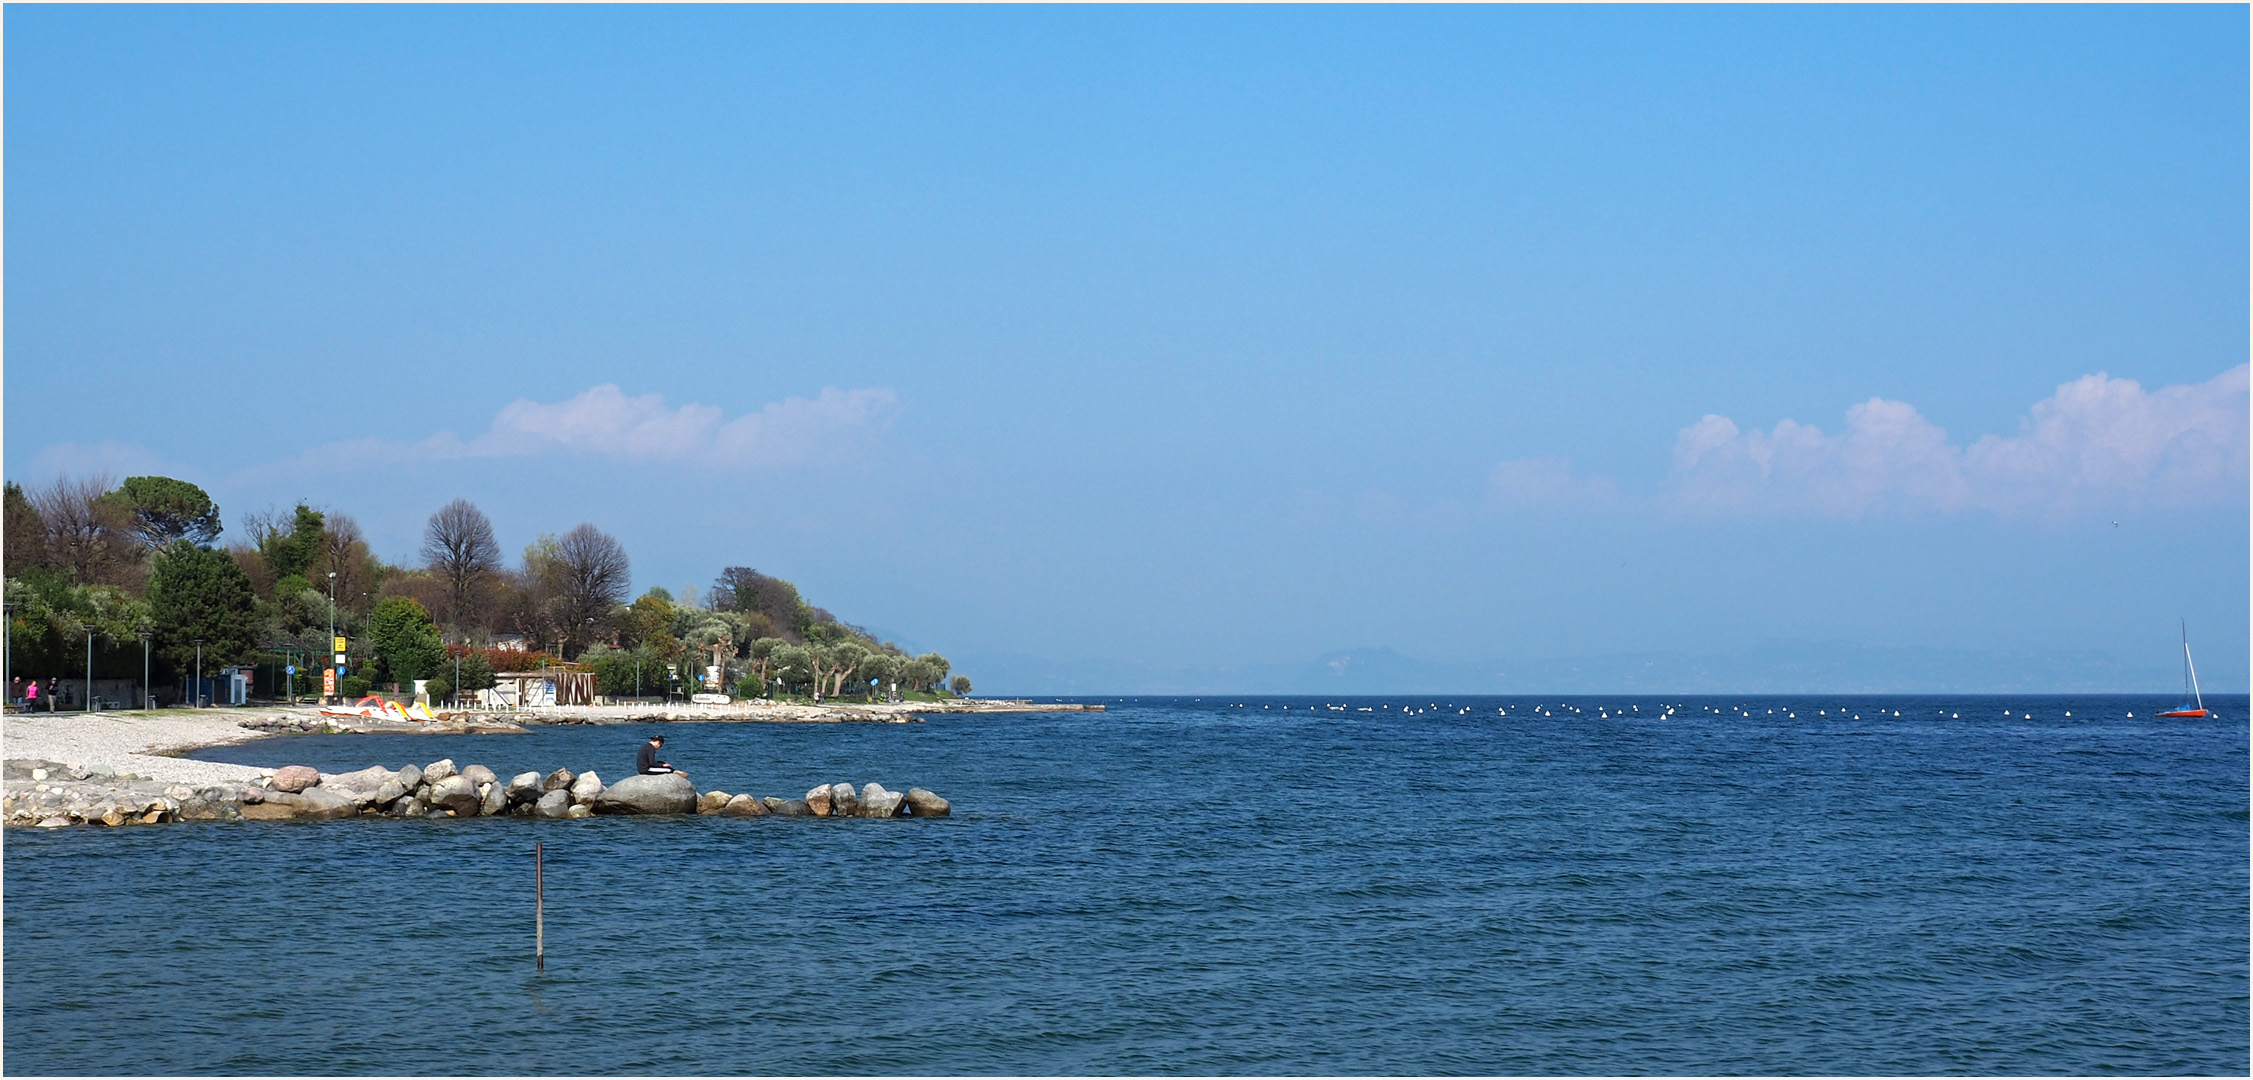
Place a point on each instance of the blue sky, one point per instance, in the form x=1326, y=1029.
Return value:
x=1188, y=338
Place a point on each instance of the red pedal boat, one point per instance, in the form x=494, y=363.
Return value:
x=2195, y=707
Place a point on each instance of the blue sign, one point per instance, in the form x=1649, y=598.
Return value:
x=293, y=669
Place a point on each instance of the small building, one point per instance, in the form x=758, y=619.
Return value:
x=534, y=689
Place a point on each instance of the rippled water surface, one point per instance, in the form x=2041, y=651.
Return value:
x=1214, y=886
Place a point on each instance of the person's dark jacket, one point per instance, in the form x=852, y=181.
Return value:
x=646, y=761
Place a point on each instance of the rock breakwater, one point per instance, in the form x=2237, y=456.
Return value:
x=49, y=794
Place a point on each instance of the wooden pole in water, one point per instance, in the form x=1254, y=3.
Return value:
x=539, y=908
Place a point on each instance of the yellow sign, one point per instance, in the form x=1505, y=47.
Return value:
x=339, y=644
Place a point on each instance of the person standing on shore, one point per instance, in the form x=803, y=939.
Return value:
x=646, y=762
x=31, y=697
x=54, y=692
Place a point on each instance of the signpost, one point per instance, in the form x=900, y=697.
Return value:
x=328, y=682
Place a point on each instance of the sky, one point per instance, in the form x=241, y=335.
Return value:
x=1110, y=348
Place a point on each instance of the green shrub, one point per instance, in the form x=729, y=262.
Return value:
x=355, y=687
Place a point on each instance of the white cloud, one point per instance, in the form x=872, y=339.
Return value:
x=1545, y=481
x=603, y=421
x=118, y=459
x=2098, y=440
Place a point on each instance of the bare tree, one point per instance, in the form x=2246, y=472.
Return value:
x=595, y=575
x=87, y=533
x=458, y=546
x=344, y=551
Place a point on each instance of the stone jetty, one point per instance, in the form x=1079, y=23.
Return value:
x=49, y=794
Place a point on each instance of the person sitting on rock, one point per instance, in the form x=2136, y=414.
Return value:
x=647, y=764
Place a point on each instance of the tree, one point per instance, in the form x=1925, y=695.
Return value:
x=594, y=576
x=197, y=594
x=962, y=686
x=405, y=641
x=341, y=549
x=88, y=535
x=25, y=545
x=289, y=544
x=458, y=546
x=163, y=510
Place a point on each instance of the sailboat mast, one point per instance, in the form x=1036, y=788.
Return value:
x=2190, y=670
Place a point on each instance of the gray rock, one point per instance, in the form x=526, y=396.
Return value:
x=99, y=770
x=586, y=787
x=817, y=801
x=879, y=803
x=438, y=770
x=410, y=777
x=794, y=808
x=744, y=806
x=295, y=778
x=524, y=787
x=921, y=803
x=363, y=787
x=496, y=800
x=655, y=793
x=457, y=794
x=842, y=801
x=312, y=804
x=553, y=804
x=421, y=791
x=480, y=775
x=410, y=807
x=559, y=780
x=773, y=803
x=579, y=810
x=389, y=793
x=711, y=801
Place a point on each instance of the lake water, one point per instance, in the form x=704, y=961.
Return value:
x=1224, y=885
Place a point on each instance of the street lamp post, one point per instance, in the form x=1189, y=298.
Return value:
x=89, y=670
x=197, y=692
x=145, y=695
x=332, y=634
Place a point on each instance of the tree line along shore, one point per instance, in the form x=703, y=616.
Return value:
x=118, y=583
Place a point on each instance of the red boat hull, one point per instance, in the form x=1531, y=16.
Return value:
x=2192, y=713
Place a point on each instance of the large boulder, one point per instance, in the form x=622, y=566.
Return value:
x=438, y=770
x=495, y=800
x=553, y=804
x=523, y=788
x=410, y=807
x=410, y=777
x=363, y=787
x=711, y=801
x=842, y=801
x=559, y=780
x=480, y=775
x=744, y=806
x=312, y=804
x=579, y=810
x=586, y=787
x=817, y=801
x=650, y=793
x=457, y=794
x=794, y=808
x=773, y=803
x=879, y=803
x=389, y=793
x=295, y=778
x=921, y=803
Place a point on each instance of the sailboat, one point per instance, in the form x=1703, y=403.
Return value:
x=2195, y=704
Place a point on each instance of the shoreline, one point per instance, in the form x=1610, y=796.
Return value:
x=136, y=754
